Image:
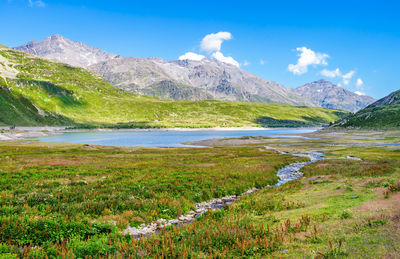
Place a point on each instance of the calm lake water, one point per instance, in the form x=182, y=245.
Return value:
x=162, y=138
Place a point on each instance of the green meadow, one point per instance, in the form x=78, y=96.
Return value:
x=65, y=200
x=57, y=193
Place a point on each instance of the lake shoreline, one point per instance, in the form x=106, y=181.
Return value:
x=31, y=132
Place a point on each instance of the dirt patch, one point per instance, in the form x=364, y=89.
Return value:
x=319, y=165
x=85, y=179
x=390, y=206
x=54, y=162
x=204, y=165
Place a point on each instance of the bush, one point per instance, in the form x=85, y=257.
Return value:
x=95, y=246
x=38, y=232
x=345, y=215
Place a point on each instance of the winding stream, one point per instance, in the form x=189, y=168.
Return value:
x=286, y=174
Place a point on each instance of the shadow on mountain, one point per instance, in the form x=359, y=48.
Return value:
x=271, y=123
x=66, y=97
x=131, y=125
x=342, y=114
x=20, y=111
x=308, y=122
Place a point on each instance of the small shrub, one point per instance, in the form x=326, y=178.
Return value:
x=95, y=246
x=345, y=215
x=376, y=223
x=392, y=188
x=333, y=252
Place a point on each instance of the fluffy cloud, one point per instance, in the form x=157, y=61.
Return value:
x=212, y=42
x=246, y=63
x=229, y=60
x=37, y=3
x=336, y=73
x=307, y=57
x=359, y=83
x=331, y=73
x=191, y=56
x=347, y=77
x=359, y=93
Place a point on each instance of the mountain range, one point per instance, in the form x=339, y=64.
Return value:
x=37, y=91
x=191, y=79
x=179, y=80
x=328, y=95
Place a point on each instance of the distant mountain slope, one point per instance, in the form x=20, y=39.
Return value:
x=328, y=95
x=194, y=80
x=384, y=113
x=391, y=99
x=144, y=76
x=37, y=91
x=179, y=80
x=64, y=50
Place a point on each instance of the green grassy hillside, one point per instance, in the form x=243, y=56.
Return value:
x=384, y=113
x=373, y=117
x=44, y=92
x=18, y=110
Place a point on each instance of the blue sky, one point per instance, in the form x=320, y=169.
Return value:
x=359, y=38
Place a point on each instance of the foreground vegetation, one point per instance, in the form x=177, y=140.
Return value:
x=74, y=200
x=45, y=92
x=57, y=193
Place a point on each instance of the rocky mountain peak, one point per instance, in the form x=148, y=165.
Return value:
x=59, y=48
x=323, y=81
x=57, y=37
x=32, y=43
x=328, y=95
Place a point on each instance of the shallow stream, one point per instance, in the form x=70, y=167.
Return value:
x=286, y=174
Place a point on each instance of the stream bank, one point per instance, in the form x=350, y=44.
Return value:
x=286, y=174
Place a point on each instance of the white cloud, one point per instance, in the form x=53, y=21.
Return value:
x=211, y=44
x=36, y=3
x=229, y=60
x=359, y=83
x=347, y=77
x=359, y=93
x=336, y=73
x=246, y=63
x=331, y=73
x=340, y=85
x=262, y=62
x=213, y=41
x=191, y=56
x=307, y=57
